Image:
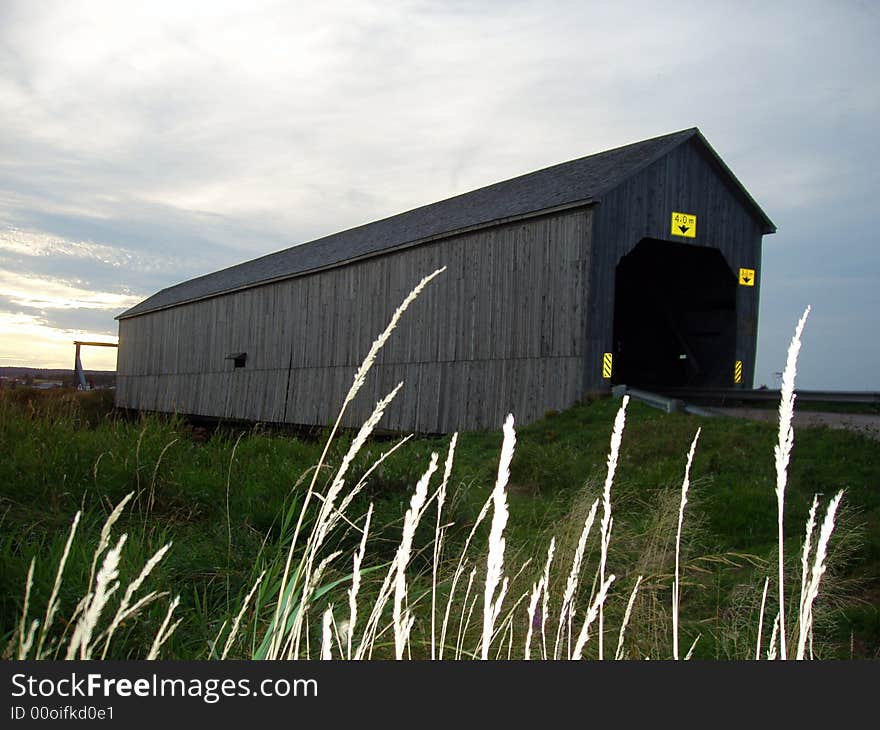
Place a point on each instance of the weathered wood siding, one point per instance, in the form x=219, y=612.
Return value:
x=685, y=180
x=502, y=330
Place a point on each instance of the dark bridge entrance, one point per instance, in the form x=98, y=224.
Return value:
x=674, y=316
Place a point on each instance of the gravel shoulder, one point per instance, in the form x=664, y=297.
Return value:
x=865, y=424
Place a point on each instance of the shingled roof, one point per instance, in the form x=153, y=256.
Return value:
x=580, y=181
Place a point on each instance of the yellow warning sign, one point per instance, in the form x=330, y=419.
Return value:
x=738, y=371
x=746, y=277
x=684, y=224
x=606, y=365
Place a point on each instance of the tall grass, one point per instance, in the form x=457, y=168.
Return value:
x=93, y=621
x=289, y=609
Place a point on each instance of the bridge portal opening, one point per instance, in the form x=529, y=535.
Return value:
x=674, y=317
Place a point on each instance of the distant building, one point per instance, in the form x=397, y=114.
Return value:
x=639, y=265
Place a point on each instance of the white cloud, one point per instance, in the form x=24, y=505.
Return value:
x=35, y=243
x=36, y=293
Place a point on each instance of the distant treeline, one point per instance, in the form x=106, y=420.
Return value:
x=64, y=375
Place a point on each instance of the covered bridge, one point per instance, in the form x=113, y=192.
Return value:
x=639, y=265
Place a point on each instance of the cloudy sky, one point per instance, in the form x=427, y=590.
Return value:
x=142, y=144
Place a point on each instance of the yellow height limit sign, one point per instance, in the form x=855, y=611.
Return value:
x=746, y=277
x=684, y=224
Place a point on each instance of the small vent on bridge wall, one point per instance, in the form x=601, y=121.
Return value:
x=238, y=358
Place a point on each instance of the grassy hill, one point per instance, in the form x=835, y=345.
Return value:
x=229, y=505
x=98, y=378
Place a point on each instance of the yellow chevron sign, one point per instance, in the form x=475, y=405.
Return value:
x=606, y=365
x=683, y=224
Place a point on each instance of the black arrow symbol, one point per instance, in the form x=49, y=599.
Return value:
x=746, y=279
x=684, y=229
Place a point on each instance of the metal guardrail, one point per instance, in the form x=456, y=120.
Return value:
x=677, y=400
x=664, y=403
x=670, y=405
x=737, y=395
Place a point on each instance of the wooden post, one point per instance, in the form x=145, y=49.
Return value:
x=79, y=376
